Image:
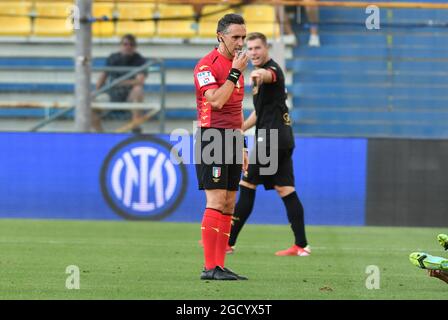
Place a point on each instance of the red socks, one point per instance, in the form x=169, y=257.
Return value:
x=215, y=236
x=210, y=229
x=225, y=224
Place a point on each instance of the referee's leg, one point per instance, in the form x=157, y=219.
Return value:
x=225, y=227
x=210, y=224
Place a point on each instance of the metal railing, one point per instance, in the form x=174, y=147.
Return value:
x=152, y=66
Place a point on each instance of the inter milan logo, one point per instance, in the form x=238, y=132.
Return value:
x=140, y=182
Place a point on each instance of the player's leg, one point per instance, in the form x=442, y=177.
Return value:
x=233, y=174
x=245, y=204
x=224, y=233
x=442, y=275
x=243, y=209
x=210, y=227
x=213, y=179
x=225, y=225
x=210, y=224
x=295, y=213
x=285, y=187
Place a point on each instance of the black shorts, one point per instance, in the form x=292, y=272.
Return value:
x=119, y=94
x=217, y=174
x=283, y=177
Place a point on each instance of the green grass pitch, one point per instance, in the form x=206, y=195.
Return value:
x=154, y=260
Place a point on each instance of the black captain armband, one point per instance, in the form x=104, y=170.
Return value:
x=234, y=75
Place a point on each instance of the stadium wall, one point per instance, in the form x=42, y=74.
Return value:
x=341, y=181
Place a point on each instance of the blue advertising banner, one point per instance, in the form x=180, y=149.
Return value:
x=120, y=176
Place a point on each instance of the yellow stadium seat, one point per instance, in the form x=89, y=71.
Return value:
x=103, y=9
x=184, y=28
x=135, y=10
x=15, y=20
x=129, y=11
x=134, y=1
x=47, y=23
x=212, y=13
x=138, y=29
x=52, y=27
x=270, y=30
x=258, y=13
x=53, y=9
x=15, y=26
x=176, y=29
x=103, y=28
x=15, y=8
x=207, y=29
x=181, y=10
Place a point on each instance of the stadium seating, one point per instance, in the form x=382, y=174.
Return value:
x=136, y=11
x=178, y=28
x=259, y=13
x=52, y=19
x=103, y=28
x=261, y=18
x=387, y=82
x=270, y=30
x=13, y=19
x=211, y=14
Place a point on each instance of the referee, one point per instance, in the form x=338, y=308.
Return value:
x=271, y=113
x=219, y=95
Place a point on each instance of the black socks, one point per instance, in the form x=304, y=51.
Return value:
x=295, y=213
x=243, y=209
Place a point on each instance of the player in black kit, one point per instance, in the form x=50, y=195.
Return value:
x=271, y=112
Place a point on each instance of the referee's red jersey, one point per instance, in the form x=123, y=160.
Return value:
x=211, y=73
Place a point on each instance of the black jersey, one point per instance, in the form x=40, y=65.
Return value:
x=271, y=109
x=120, y=60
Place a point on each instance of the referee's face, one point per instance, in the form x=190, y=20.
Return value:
x=232, y=40
x=258, y=52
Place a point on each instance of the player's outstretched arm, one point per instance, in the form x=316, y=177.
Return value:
x=260, y=76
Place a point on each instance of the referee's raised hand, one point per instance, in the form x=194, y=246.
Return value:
x=240, y=61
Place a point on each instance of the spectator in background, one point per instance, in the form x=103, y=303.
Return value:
x=282, y=15
x=312, y=13
x=130, y=90
x=198, y=9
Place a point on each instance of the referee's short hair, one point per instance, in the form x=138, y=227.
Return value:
x=227, y=20
x=257, y=35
